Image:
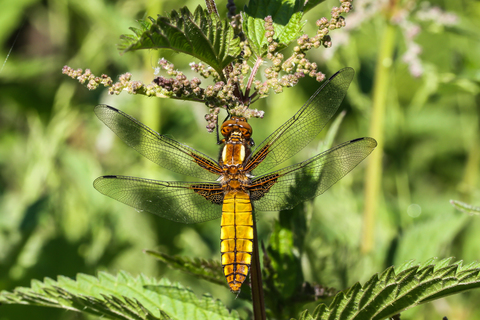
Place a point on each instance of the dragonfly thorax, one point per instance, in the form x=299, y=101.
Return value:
x=234, y=153
x=237, y=133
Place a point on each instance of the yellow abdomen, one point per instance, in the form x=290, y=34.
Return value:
x=236, y=238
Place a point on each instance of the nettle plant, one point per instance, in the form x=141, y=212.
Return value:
x=227, y=49
x=233, y=51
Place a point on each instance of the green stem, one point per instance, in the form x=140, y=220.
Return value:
x=374, y=166
x=256, y=279
x=150, y=108
x=470, y=176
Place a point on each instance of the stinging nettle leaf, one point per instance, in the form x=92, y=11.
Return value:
x=201, y=35
x=392, y=292
x=119, y=297
x=287, y=24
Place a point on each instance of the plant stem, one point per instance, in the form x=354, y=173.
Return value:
x=252, y=77
x=470, y=176
x=150, y=108
x=374, y=166
x=256, y=279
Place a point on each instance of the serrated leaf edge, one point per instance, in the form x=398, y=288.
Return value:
x=379, y=297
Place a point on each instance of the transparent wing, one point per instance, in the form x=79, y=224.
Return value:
x=304, y=126
x=177, y=201
x=285, y=188
x=164, y=151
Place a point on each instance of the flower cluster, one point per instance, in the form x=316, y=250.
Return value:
x=92, y=81
x=412, y=17
x=220, y=94
x=204, y=70
x=297, y=65
x=410, y=29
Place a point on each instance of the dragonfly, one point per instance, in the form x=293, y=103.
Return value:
x=239, y=181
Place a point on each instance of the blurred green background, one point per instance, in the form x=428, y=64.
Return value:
x=52, y=221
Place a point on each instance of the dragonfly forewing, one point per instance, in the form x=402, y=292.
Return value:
x=158, y=148
x=304, y=126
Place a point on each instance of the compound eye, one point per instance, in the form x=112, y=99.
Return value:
x=226, y=128
x=245, y=128
x=246, y=132
x=226, y=131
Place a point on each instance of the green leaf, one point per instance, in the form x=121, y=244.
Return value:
x=119, y=297
x=201, y=35
x=208, y=270
x=284, y=273
x=305, y=316
x=465, y=207
x=287, y=24
x=393, y=292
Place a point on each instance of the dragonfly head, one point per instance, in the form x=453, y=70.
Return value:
x=239, y=124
